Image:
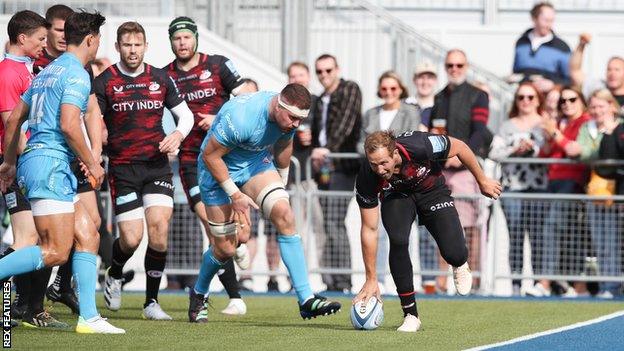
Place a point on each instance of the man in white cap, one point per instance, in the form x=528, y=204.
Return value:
x=426, y=80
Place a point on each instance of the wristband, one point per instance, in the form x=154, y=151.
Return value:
x=229, y=187
x=283, y=172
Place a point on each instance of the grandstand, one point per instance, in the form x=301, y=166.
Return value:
x=369, y=37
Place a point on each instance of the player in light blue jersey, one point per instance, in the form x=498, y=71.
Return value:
x=237, y=170
x=53, y=104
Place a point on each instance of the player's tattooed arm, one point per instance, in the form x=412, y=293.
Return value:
x=489, y=187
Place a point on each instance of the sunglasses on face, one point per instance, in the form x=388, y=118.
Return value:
x=570, y=100
x=523, y=97
x=327, y=71
x=458, y=65
x=392, y=89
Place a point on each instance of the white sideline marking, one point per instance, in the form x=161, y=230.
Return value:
x=548, y=332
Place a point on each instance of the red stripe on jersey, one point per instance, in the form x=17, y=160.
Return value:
x=480, y=114
x=404, y=151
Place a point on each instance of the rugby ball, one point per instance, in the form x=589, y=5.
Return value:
x=367, y=315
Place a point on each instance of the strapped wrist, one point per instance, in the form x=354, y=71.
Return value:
x=229, y=187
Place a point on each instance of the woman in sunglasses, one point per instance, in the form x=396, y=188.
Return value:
x=521, y=136
x=560, y=226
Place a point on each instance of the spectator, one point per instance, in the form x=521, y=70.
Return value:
x=614, y=80
x=521, y=136
x=426, y=80
x=461, y=110
x=551, y=103
x=336, y=128
x=560, y=226
x=602, y=216
x=252, y=85
x=540, y=55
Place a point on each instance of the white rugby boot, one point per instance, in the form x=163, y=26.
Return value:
x=96, y=325
x=236, y=307
x=154, y=312
x=112, y=292
x=411, y=324
x=463, y=279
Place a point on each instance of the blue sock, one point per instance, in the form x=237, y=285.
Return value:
x=209, y=267
x=85, y=276
x=24, y=260
x=291, y=250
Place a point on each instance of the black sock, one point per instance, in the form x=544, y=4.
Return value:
x=228, y=279
x=155, y=262
x=40, y=280
x=402, y=274
x=64, y=275
x=119, y=260
x=23, y=284
x=408, y=303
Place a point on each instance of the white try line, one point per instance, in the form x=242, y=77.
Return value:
x=549, y=332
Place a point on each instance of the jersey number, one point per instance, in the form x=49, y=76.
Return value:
x=36, y=111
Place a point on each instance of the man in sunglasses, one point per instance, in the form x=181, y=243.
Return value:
x=461, y=111
x=336, y=128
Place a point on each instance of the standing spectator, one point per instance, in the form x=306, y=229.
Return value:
x=461, y=110
x=540, y=55
x=602, y=216
x=551, y=103
x=521, y=136
x=426, y=80
x=614, y=80
x=561, y=222
x=336, y=128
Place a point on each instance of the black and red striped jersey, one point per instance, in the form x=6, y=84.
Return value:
x=205, y=87
x=419, y=170
x=133, y=111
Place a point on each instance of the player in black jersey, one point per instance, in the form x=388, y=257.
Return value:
x=132, y=96
x=403, y=174
x=205, y=82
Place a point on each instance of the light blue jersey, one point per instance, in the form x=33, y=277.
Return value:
x=64, y=81
x=243, y=126
x=43, y=171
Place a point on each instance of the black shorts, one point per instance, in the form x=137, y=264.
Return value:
x=14, y=198
x=188, y=177
x=435, y=210
x=129, y=182
x=84, y=185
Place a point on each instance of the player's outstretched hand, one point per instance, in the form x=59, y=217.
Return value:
x=241, y=203
x=206, y=121
x=370, y=288
x=7, y=175
x=96, y=175
x=490, y=188
x=171, y=143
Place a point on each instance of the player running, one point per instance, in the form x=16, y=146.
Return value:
x=132, y=96
x=402, y=171
x=53, y=104
x=237, y=170
x=205, y=82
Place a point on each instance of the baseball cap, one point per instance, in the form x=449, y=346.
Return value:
x=425, y=67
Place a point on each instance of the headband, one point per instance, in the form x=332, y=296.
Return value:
x=296, y=111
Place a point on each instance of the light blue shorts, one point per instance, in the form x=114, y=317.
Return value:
x=46, y=177
x=211, y=192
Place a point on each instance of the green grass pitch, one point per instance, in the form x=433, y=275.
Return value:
x=273, y=323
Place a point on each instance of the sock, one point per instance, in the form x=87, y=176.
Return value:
x=119, y=260
x=291, y=250
x=8, y=251
x=227, y=276
x=39, y=285
x=154, y=266
x=85, y=276
x=209, y=267
x=408, y=303
x=64, y=275
x=24, y=260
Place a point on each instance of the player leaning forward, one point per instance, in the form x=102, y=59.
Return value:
x=402, y=174
x=237, y=170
